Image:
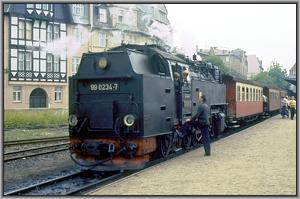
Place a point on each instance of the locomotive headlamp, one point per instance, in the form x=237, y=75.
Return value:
x=129, y=120
x=103, y=63
x=73, y=120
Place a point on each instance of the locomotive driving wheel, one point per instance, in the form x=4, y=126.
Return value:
x=197, y=136
x=165, y=145
x=187, y=140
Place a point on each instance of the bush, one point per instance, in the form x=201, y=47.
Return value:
x=35, y=118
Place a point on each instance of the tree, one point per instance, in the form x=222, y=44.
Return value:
x=218, y=62
x=275, y=76
x=222, y=67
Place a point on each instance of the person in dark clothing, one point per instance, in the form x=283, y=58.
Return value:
x=201, y=121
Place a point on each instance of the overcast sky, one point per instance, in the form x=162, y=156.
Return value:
x=266, y=30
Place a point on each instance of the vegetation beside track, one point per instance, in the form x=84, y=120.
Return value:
x=35, y=118
x=22, y=134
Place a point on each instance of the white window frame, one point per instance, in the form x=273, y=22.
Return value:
x=38, y=6
x=17, y=94
x=121, y=14
x=30, y=5
x=58, y=92
x=49, y=33
x=22, y=29
x=102, y=15
x=162, y=16
x=49, y=62
x=28, y=30
x=102, y=40
x=75, y=64
x=78, y=34
x=238, y=93
x=21, y=61
x=56, y=32
x=28, y=61
x=78, y=9
x=56, y=64
x=243, y=93
x=45, y=6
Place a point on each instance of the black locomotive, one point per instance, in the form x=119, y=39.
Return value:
x=127, y=105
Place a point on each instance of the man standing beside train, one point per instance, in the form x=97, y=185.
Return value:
x=292, y=104
x=201, y=120
x=284, y=104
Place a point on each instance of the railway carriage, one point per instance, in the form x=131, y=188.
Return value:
x=273, y=99
x=283, y=93
x=244, y=98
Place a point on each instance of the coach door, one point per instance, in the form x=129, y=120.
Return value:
x=38, y=98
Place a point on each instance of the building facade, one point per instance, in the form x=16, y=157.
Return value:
x=34, y=77
x=254, y=66
x=233, y=59
x=43, y=44
x=292, y=71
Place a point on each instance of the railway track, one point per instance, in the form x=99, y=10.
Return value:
x=70, y=184
x=36, y=151
x=80, y=182
x=35, y=141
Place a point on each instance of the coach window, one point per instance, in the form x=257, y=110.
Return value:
x=260, y=95
x=247, y=94
x=256, y=94
x=243, y=93
x=250, y=97
x=238, y=94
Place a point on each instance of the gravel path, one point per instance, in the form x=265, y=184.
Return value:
x=260, y=160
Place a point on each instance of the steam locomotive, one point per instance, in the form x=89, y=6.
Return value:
x=127, y=105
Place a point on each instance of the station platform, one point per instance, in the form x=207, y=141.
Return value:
x=260, y=160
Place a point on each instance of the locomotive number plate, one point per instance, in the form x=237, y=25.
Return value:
x=104, y=87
